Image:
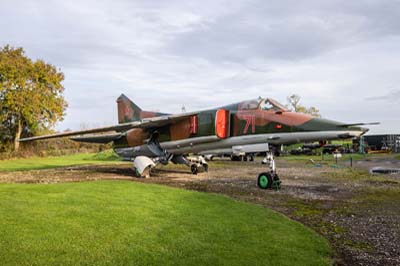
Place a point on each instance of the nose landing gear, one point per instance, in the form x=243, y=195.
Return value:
x=269, y=180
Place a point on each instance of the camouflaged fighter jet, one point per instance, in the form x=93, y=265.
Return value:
x=250, y=126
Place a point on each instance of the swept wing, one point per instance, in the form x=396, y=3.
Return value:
x=114, y=132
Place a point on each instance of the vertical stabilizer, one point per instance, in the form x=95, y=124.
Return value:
x=127, y=110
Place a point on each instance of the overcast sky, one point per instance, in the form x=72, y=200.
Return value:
x=341, y=56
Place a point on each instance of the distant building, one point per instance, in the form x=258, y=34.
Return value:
x=382, y=142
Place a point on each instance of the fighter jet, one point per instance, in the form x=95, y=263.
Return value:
x=259, y=125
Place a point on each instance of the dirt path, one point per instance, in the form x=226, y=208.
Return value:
x=358, y=213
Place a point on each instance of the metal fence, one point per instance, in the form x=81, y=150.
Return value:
x=383, y=142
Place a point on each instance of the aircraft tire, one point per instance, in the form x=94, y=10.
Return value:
x=264, y=180
x=235, y=158
x=194, y=169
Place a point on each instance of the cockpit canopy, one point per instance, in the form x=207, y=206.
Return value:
x=262, y=104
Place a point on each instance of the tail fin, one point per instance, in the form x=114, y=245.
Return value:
x=127, y=110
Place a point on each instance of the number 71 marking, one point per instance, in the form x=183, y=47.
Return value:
x=250, y=120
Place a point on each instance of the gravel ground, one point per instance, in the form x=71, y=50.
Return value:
x=357, y=212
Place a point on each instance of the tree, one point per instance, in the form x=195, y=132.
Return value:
x=31, y=94
x=294, y=104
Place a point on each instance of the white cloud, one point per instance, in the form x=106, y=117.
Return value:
x=164, y=54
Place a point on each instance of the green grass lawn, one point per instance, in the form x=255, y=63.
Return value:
x=128, y=223
x=35, y=163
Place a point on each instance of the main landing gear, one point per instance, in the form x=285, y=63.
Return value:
x=269, y=180
x=197, y=164
x=143, y=164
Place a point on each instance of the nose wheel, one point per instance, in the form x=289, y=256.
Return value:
x=269, y=180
